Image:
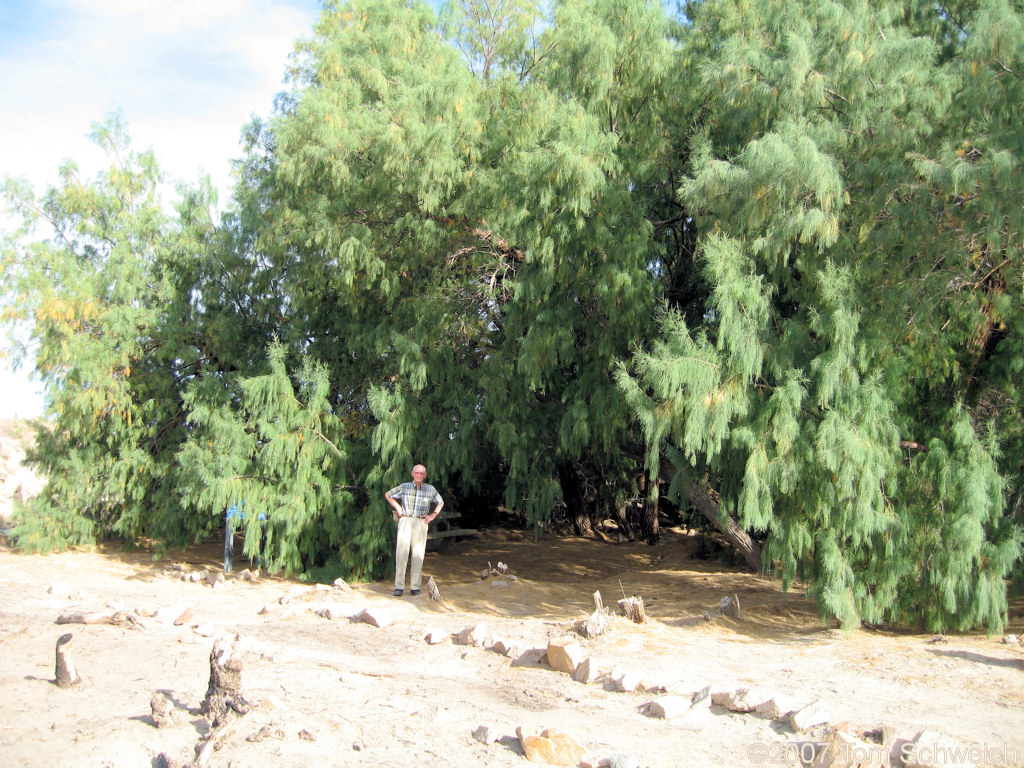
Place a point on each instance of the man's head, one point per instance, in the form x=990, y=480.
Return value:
x=419, y=474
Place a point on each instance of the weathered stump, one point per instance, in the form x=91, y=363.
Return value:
x=433, y=591
x=224, y=694
x=65, y=671
x=633, y=609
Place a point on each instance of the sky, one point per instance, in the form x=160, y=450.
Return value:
x=187, y=75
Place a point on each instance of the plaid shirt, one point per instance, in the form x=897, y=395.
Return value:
x=416, y=501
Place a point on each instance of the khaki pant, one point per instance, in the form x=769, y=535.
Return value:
x=412, y=541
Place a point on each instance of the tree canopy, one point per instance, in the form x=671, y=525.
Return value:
x=549, y=250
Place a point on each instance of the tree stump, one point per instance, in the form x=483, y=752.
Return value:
x=433, y=591
x=65, y=671
x=633, y=609
x=224, y=694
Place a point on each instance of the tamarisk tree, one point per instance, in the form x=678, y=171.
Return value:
x=855, y=364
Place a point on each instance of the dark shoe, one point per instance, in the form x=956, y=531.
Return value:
x=398, y=593
x=414, y=592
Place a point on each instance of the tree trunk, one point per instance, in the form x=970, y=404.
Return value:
x=224, y=694
x=572, y=494
x=698, y=494
x=649, y=515
x=749, y=549
x=66, y=673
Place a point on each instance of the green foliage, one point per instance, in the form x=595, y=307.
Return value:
x=276, y=450
x=43, y=527
x=858, y=251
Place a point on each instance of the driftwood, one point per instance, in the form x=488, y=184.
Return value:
x=224, y=693
x=204, y=751
x=596, y=623
x=730, y=606
x=65, y=671
x=117, y=619
x=633, y=609
x=433, y=591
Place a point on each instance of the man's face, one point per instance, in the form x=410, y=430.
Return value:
x=418, y=474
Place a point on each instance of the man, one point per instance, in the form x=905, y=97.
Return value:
x=411, y=504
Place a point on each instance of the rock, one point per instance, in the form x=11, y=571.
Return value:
x=667, y=707
x=1012, y=640
x=503, y=646
x=377, y=617
x=701, y=697
x=588, y=671
x=776, y=707
x=329, y=611
x=485, y=573
x=206, y=630
x=306, y=735
x=214, y=578
x=163, y=710
x=627, y=682
x=169, y=614
x=183, y=618
x=484, y=734
x=550, y=746
x=436, y=635
x=60, y=589
x=622, y=760
x=931, y=749
x=565, y=654
x=475, y=635
x=266, y=732
x=740, y=700
x=531, y=657
x=808, y=717
x=844, y=750
x=342, y=585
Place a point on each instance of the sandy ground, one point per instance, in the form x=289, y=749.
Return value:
x=342, y=692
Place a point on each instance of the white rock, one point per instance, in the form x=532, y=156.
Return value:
x=588, y=671
x=59, y=589
x=168, y=614
x=342, y=585
x=436, y=635
x=740, y=700
x=778, y=706
x=931, y=749
x=701, y=698
x=329, y=611
x=474, y=635
x=813, y=714
x=627, y=682
x=530, y=657
x=668, y=707
x=844, y=750
x=206, y=630
x=378, y=617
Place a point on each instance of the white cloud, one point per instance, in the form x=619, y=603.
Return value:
x=186, y=74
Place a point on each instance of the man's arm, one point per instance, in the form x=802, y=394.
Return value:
x=397, y=510
x=435, y=513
